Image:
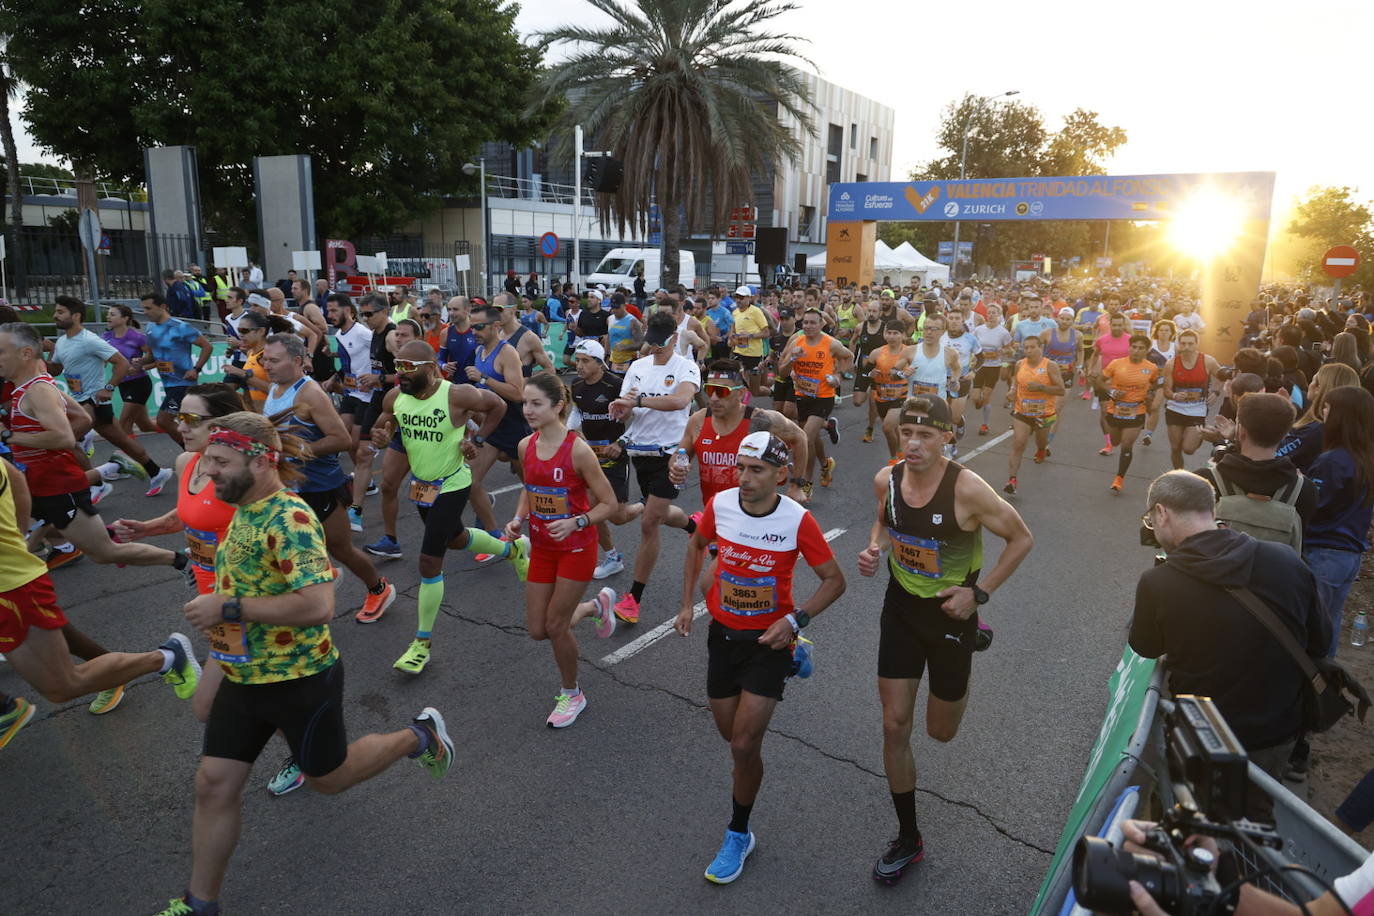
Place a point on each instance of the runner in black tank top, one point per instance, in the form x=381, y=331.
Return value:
x=866, y=339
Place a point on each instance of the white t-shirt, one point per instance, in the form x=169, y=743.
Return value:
x=965, y=345
x=355, y=358
x=1191, y=322
x=993, y=341
x=658, y=428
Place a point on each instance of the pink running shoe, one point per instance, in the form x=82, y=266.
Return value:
x=567, y=710
x=604, y=614
x=627, y=609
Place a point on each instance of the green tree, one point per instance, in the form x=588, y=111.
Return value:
x=688, y=95
x=1331, y=216
x=389, y=98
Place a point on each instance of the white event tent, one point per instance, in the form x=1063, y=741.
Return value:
x=903, y=265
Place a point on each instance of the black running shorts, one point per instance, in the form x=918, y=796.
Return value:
x=652, y=473
x=1174, y=418
x=916, y=633
x=737, y=661
x=814, y=407
x=308, y=711
x=987, y=377
x=443, y=520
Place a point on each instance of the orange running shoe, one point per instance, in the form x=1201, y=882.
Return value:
x=1118, y=482
x=375, y=605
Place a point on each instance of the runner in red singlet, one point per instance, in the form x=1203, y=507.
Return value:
x=559, y=470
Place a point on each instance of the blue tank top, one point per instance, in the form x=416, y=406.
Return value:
x=1062, y=351
x=531, y=321
x=323, y=473
x=513, y=423
x=620, y=331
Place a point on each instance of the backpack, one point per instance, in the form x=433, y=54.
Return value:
x=1265, y=518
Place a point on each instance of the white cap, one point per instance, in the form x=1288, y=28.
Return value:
x=595, y=292
x=744, y=291
x=591, y=348
x=1066, y=312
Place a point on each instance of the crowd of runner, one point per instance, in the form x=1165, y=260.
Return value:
x=279, y=459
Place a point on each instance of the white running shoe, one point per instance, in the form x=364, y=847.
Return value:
x=159, y=481
x=100, y=492
x=609, y=567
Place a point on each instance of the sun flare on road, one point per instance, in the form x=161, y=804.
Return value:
x=1207, y=224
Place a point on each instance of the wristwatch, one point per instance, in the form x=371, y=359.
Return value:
x=479, y=439
x=108, y=387
x=803, y=618
x=5, y=434
x=583, y=521
x=979, y=595
x=231, y=610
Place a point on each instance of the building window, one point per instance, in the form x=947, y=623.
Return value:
x=833, y=150
x=872, y=147
x=860, y=177
x=806, y=225
x=854, y=136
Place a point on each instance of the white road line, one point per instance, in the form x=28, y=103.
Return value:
x=510, y=489
x=633, y=648
x=966, y=457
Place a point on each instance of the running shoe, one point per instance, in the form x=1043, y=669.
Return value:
x=802, y=664
x=12, y=721
x=372, y=489
x=1010, y=487
x=566, y=709
x=827, y=472
x=288, y=778
x=983, y=638
x=57, y=557
x=100, y=491
x=520, y=557
x=1095, y=404
x=959, y=431
x=488, y=557
x=627, y=609
x=1145, y=439
x=832, y=429
x=1106, y=450
x=438, y=757
x=729, y=862
x=697, y=517
x=808, y=488
x=375, y=605
x=184, y=674
x=868, y=434
x=604, y=613
x=415, y=657
x=386, y=547
x=1087, y=394
x=177, y=906
x=1040, y=456
x=106, y=700
x=1118, y=482
x=609, y=567
x=129, y=466
x=901, y=852
x=355, y=519
x=159, y=481
x=88, y=444
x=983, y=430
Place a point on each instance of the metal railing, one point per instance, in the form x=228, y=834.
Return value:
x=500, y=186
x=66, y=187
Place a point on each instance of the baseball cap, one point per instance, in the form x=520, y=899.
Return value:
x=591, y=348
x=767, y=448
x=1066, y=312
x=787, y=311
x=595, y=293
x=888, y=294
x=618, y=299
x=659, y=328
x=938, y=416
x=743, y=291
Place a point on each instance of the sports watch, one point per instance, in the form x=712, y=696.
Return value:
x=979, y=595
x=231, y=610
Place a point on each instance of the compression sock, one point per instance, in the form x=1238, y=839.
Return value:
x=985, y=412
x=1123, y=462
x=637, y=590
x=431, y=596
x=423, y=735
x=151, y=467
x=739, y=822
x=1107, y=438
x=480, y=541
x=905, y=803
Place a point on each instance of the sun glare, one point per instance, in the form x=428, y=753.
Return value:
x=1206, y=224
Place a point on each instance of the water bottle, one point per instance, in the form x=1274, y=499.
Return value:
x=1359, y=629
x=680, y=461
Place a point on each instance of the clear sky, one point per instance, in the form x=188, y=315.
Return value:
x=1203, y=85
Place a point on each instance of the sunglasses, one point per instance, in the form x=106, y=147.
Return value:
x=367, y=314
x=480, y=327
x=191, y=419
x=722, y=391
x=407, y=366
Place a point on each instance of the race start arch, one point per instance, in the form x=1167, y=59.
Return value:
x=1237, y=202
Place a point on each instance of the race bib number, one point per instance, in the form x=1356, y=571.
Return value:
x=424, y=492
x=549, y=503
x=350, y=381
x=921, y=389
x=920, y=556
x=805, y=386
x=229, y=643
x=73, y=384
x=1032, y=408
x=1126, y=410
x=891, y=391
x=1188, y=395
x=202, y=545
x=164, y=365
x=601, y=449
x=748, y=597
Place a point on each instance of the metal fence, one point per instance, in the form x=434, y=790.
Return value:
x=51, y=261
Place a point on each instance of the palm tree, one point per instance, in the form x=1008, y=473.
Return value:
x=688, y=95
x=9, y=89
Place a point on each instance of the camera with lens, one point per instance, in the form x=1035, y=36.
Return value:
x=1209, y=776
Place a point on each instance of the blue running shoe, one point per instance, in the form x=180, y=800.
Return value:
x=729, y=862
x=802, y=665
x=385, y=547
x=355, y=519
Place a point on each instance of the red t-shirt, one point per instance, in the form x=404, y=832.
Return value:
x=753, y=586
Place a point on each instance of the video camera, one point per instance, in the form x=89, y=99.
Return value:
x=1209, y=775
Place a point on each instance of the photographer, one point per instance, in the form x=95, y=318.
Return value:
x=1186, y=608
x=1355, y=890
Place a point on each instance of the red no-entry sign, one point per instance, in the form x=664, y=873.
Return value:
x=1341, y=261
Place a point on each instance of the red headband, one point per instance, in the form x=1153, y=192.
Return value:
x=244, y=444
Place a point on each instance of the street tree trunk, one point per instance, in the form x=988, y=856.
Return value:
x=15, y=255
x=672, y=235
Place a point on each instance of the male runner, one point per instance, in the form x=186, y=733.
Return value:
x=321, y=356
x=170, y=341
x=654, y=403
x=38, y=430
x=431, y=416
x=816, y=360
x=1128, y=382
x=81, y=357
x=931, y=513
x=930, y=366
x=957, y=337
x=783, y=394
x=625, y=334
x=1109, y=347
x=754, y=621
x=268, y=625
x=750, y=330
x=1063, y=350
x=297, y=404
x=994, y=341
x=376, y=380
x=1187, y=387
x=528, y=344
x=888, y=378
x=592, y=394
x=866, y=338
x=497, y=367
x=1037, y=389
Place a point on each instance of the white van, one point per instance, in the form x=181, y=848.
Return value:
x=621, y=265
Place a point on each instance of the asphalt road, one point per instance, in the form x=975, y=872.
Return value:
x=624, y=810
